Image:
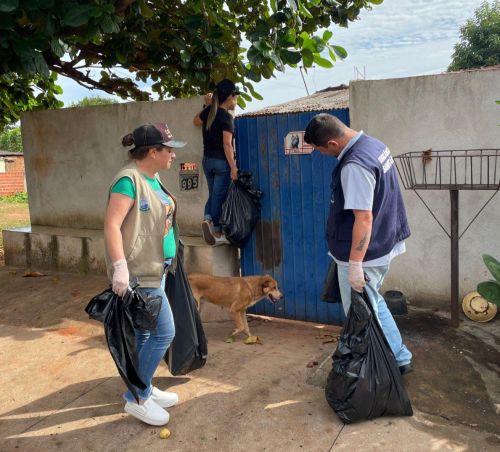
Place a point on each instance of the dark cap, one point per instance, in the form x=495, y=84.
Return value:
x=226, y=88
x=154, y=134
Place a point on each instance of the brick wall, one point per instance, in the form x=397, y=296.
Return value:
x=12, y=181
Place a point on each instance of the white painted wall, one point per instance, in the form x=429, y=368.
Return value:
x=443, y=112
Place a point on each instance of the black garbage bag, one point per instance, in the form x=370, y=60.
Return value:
x=189, y=350
x=365, y=381
x=114, y=312
x=331, y=288
x=144, y=309
x=120, y=316
x=241, y=209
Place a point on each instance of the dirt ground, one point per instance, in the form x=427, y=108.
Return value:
x=62, y=391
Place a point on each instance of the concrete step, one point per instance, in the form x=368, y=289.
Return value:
x=82, y=250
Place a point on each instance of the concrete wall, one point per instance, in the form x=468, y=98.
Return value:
x=442, y=112
x=72, y=155
x=12, y=180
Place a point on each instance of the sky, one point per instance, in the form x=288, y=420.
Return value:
x=398, y=38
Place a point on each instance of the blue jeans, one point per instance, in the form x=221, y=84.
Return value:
x=152, y=345
x=218, y=174
x=376, y=275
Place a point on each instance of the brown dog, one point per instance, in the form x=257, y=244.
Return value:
x=235, y=293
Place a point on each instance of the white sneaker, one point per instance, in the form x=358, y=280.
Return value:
x=222, y=240
x=149, y=412
x=164, y=399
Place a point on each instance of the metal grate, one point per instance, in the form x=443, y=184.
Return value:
x=476, y=169
x=472, y=169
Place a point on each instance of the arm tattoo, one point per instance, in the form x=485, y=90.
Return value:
x=362, y=243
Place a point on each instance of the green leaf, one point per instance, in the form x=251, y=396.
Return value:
x=255, y=57
x=246, y=97
x=208, y=46
x=6, y=6
x=22, y=48
x=108, y=25
x=322, y=61
x=291, y=57
x=56, y=47
x=193, y=22
x=490, y=290
x=492, y=265
x=307, y=57
x=40, y=64
x=255, y=94
x=340, y=51
x=242, y=104
x=274, y=6
x=327, y=35
x=305, y=11
x=78, y=15
x=145, y=10
x=332, y=54
x=185, y=57
x=376, y=2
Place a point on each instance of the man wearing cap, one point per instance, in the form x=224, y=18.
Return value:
x=219, y=164
x=141, y=238
x=367, y=223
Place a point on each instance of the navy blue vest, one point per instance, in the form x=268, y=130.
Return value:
x=390, y=225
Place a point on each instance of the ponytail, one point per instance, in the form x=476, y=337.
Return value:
x=213, y=110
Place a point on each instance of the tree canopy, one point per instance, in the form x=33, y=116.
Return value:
x=88, y=101
x=479, y=39
x=133, y=48
x=10, y=140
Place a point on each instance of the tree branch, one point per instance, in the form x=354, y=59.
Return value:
x=117, y=86
x=122, y=5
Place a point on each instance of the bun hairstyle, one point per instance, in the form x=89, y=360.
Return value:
x=128, y=140
x=138, y=152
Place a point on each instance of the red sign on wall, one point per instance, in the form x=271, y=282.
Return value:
x=295, y=144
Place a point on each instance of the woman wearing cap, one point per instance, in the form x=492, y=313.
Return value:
x=219, y=164
x=141, y=238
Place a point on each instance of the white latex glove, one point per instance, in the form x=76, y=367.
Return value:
x=120, y=277
x=356, y=276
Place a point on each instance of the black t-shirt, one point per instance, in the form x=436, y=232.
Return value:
x=213, y=144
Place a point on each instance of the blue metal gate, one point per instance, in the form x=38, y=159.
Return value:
x=289, y=241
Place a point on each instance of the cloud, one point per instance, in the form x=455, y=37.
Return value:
x=395, y=39
x=399, y=38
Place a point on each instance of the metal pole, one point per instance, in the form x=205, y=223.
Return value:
x=454, y=257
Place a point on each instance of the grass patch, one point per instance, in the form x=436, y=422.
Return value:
x=13, y=214
x=18, y=198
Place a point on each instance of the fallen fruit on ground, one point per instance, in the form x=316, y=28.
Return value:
x=165, y=433
x=250, y=340
x=229, y=340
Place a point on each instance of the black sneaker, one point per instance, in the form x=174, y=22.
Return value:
x=405, y=369
x=207, y=232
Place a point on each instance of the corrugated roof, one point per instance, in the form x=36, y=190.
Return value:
x=328, y=99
